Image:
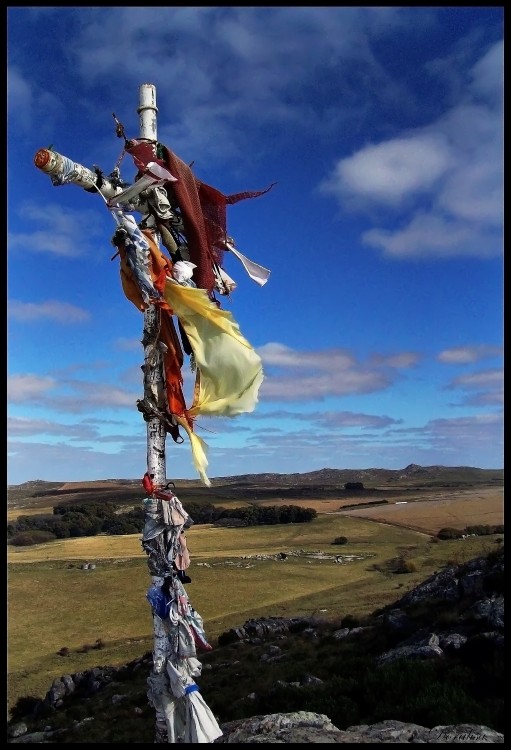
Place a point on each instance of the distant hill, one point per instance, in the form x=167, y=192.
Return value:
x=255, y=486
x=373, y=477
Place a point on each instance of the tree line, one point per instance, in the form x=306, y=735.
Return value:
x=91, y=519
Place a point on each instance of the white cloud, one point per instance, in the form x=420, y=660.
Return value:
x=466, y=428
x=402, y=360
x=292, y=375
x=482, y=400
x=60, y=312
x=489, y=385
x=58, y=231
x=61, y=462
x=485, y=379
x=22, y=388
x=488, y=75
x=294, y=388
x=430, y=235
x=68, y=396
x=279, y=355
x=296, y=375
x=338, y=419
x=25, y=101
x=444, y=180
x=468, y=354
x=28, y=427
x=240, y=69
x=128, y=345
x=391, y=172
x=20, y=97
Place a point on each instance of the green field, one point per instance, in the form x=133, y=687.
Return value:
x=53, y=603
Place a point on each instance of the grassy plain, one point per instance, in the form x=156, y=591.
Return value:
x=53, y=603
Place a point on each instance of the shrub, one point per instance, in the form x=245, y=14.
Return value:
x=448, y=532
x=340, y=540
x=27, y=705
x=485, y=530
x=28, y=538
x=405, y=566
x=349, y=621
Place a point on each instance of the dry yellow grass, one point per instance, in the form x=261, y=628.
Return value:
x=81, y=548
x=14, y=513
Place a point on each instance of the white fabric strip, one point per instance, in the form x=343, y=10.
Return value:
x=258, y=273
x=155, y=175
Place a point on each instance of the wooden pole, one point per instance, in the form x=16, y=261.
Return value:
x=153, y=377
x=153, y=362
x=54, y=164
x=182, y=716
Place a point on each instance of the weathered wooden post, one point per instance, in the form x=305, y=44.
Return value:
x=181, y=714
x=61, y=170
x=188, y=217
x=153, y=368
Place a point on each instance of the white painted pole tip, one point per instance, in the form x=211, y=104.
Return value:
x=147, y=111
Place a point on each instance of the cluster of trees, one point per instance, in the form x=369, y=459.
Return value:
x=256, y=515
x=95, y=518
x=68, y=521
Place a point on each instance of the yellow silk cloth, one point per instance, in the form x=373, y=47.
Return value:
x=199, y=449
x=229, y=371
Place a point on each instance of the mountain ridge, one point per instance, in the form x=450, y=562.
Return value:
x=320, y=484
x=324, y=473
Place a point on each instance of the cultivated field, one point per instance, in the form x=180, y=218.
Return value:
x=458, y=509
x=419, y=510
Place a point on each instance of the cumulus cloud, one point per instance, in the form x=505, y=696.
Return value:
x=392, y=171
x=444, y=181
x=296, y=375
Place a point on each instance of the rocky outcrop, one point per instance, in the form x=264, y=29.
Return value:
x=457, y=581
x=483, y=617
x=304, y=727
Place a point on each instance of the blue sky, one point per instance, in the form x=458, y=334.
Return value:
x=381, y=326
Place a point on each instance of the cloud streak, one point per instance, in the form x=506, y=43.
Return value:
x=54, y=310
